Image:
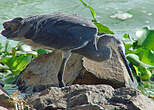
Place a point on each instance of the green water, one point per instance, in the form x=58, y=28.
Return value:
x=140, y=10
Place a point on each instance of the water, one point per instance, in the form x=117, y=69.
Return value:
x=140, y=10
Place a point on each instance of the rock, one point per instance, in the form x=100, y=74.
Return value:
x=11, y=102
x=90, y=97
x=89, y=78
x=3, y=108
x=70, y=96
x=111, y=71
x=87, y=107
x=5, y=101
x=131, y=99
x=42, y=71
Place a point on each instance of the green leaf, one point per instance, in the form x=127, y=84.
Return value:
x=24, y=62
x=152, y=77
x=24, y=48
x=6, y=46
x=12, y=62
x=14, y=51
x=128, y=47
x=146, y=56
x=33, y=53
x=17, y=63
x=146, y=38
x=90, y=8
x=134, y=59
x=135, y=45
x=5, y=59
x=3, y=67
x=145, y=74
x=127, y=36
x=102, y=28
x=43, y=51
x=1, y=47
x=10, y=79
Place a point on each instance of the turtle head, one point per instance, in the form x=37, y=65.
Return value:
x=12, y=27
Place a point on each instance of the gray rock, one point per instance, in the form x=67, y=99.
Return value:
x=70, y=96
x=8, y=102
x=87, y=107
x=111, y=71
x=132, y=99
x=5, y=101
x=42, y=71
x=90, y=97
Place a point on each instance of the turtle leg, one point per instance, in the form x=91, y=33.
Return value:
x=65, y=57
